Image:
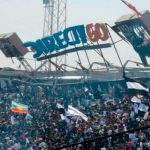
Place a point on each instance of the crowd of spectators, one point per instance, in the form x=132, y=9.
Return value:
x=43, y=128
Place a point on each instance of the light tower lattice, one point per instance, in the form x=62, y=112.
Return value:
x=55, y=16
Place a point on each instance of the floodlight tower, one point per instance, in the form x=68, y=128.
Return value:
x=54, y=18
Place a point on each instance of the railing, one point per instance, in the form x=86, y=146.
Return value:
x=95, y=144
x=101, y=75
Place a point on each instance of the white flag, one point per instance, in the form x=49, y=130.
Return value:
x=143, y=107
x=135, y=100
x=74, y=111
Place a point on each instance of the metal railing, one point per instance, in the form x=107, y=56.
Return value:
x=96, y=143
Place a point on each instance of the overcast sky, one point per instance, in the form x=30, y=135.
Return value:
x=25, y=17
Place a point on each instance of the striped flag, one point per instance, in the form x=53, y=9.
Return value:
x=76, y=112
x=19, y=108
x=132, y=7
x=136, y=87
x=71, y=112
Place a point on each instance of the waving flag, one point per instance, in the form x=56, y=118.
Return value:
x=76, y=112
x=136, y=87
x=71, y=112
x=132, y=7
x=19, y=108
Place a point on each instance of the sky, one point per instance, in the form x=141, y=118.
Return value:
x=25, y=17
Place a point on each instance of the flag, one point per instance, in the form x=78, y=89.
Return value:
x=76, y=112
x=136, y=87
x=71, y=112
x=65, y=118
x=19, y=108
x=132, y=7
x=143, y=107
x=135, y=99
x=63, y=113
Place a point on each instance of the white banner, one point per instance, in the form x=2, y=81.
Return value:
x=136, y=85
x=143, y=107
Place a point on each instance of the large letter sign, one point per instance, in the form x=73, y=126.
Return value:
x=97, y=32
x=69, y=37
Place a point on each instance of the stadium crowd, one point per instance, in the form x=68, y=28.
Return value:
x=43, y=127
